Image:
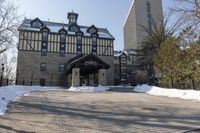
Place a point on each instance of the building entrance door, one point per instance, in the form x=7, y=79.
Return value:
x=42, y=82
x=84, y=80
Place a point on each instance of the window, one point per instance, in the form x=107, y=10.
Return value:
x=44, y=36
x=37, y=24
x=43, y=67
x=79, y=39
x=94, y=50
x=79, y=49
x=61, y=68
x=44, y=44
x=42, y=82
x=62, y=44
x=92, y=31
x=62, y=53
x=62, y=38
x=94, y=45
x=149, y=15
x=79, y=44
x=94, y=40
x=73, y=19
x=44, y=52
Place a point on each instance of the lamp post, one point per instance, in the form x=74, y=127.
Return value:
x=31, y=79
x=2, y=74
x=17, y=78
x=51, y=79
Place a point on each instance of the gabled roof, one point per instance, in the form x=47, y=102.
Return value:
x=55, y=27
x=45, y=28
x=63, y=30
x=79, y=58
x=73, y=25
x=35, y=20
x=94, y=28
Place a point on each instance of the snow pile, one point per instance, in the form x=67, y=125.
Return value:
x=89, y=89
x=157, y=91
x=9, y=93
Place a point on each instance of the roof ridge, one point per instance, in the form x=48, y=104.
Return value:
x=53, y=22
x=54, y=27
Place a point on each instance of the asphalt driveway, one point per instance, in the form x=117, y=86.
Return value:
x=111, y=112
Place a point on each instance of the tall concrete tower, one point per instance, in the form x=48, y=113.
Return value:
x=140, y=14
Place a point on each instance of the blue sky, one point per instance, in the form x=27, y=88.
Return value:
x=109, y=14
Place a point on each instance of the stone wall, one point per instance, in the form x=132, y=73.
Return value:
x=110, y=72
x=29, y=64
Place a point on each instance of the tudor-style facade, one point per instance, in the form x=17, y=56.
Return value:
x=47, y=50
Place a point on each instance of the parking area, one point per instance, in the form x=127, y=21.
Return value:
x=111, y=112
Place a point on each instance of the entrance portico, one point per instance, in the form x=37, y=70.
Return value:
x=87, y=70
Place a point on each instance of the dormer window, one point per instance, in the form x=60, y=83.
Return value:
x=92, y=30
x=36, y=23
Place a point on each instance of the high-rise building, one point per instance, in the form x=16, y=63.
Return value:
x=140, y=15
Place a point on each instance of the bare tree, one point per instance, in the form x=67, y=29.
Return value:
x=9, y=68
x=9, y=21
x=161, y=30
x=189, y=11
x=189, y=8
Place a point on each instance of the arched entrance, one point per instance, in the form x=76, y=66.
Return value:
x=87, y=70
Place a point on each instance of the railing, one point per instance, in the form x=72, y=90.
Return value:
x=38, y=83
x=5, y=82
x=195, y=85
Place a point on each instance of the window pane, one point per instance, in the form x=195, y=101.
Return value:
x=43, y=67
x=61, y=68
x=79, y=40
x=94, y=40
x=62, y=38
x=45, y=36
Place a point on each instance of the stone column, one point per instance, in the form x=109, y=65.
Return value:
x=76, y=77
x=69, y=80
x=102, y=77
x=91, y=79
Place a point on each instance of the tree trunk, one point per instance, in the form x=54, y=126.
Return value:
x=171, y=76
x=193, y=85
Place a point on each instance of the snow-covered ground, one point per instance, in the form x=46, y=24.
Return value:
x=10, y=93
x=157, y=91
x=89, y=89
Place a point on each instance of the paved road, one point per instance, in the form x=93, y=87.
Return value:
x=67, y=112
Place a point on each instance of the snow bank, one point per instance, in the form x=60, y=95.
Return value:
x=9, y=93
x=89, y=89
x=157, y=91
